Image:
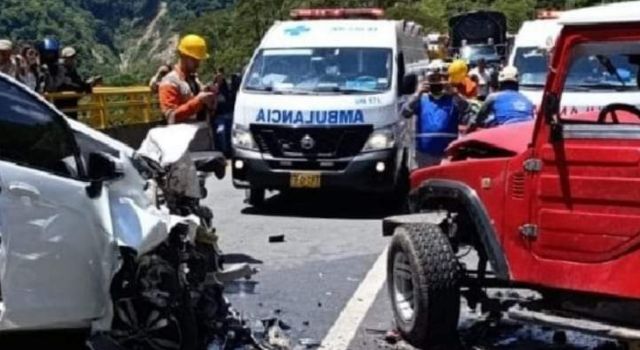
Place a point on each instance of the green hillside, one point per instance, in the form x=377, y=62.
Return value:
x=125, y=40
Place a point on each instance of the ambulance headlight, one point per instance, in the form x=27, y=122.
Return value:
x=380, y=139
x=241, y=138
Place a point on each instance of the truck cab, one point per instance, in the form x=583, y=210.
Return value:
x=479, y=35
x=319, y=105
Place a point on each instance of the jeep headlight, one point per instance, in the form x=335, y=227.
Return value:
x=380, y=139
x=241, y=138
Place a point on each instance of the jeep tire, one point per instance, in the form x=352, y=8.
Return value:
x=423, y=281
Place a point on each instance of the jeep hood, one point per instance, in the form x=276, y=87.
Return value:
x=507, y=139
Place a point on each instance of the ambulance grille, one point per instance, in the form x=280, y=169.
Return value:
x=517, y=185
x=311, y=142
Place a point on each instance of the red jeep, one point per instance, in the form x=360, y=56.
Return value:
x=551, y=206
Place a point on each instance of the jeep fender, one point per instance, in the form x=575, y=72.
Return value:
x=465, y=196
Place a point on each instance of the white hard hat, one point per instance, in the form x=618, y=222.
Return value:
x=6, y=45
x=68, y=52
x=508, y=73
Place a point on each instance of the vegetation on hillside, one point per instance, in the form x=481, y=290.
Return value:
x=236, y=31
x=125, y=40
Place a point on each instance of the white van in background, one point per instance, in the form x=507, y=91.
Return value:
x=319, y=105
x=592, y=80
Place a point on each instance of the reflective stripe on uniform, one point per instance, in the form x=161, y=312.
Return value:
x=437, y=134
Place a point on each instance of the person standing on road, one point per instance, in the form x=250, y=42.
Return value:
x=483, y=75
x=506, y=106
x=8, y=64
x=224, y=113
x=182, y=96
x=437, y=119
x=460, y=80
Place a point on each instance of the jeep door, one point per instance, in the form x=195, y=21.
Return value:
x=54, y=251
x=585, y=170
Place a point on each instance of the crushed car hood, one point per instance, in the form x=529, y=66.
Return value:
x=512, y=138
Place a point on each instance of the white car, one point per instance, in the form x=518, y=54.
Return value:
x=69, y=199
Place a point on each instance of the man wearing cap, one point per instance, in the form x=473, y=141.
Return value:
x=506, y=106
x=181, y=94
x=437, y=118
x=8, y=64
x=72, y=82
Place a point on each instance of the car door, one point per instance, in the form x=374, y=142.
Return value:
x=585, y=222
x=55, y=247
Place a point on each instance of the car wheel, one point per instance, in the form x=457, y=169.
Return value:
x=423, y=281
x=139, y=325
x=157, y=314
x=256, y=196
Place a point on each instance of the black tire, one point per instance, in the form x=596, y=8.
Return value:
x=157, y=314
x=432, y=289
x=256, y=197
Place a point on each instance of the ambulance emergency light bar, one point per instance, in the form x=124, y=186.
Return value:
x=327, y=13
x=548, y=14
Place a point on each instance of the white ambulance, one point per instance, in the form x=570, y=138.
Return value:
x=319, y=105
x=593, y=81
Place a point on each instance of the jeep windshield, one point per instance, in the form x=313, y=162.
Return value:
x=321, y=70
x=602, y=71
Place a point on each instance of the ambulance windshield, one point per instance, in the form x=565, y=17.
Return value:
x=321, y=70
x=590, y=70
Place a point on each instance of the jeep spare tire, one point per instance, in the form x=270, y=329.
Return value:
x=423, y=281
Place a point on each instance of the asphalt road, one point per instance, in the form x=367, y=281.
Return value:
x=331, y=243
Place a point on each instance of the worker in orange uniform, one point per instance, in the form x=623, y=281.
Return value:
x=460, y=80
x=182, y=96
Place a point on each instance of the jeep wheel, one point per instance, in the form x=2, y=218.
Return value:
x=255, y=196
x=423, y=282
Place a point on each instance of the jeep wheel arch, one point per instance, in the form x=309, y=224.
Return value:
x=436, y=190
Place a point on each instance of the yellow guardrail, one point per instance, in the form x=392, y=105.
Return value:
x=108, y=107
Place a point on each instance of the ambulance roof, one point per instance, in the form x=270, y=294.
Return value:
x=537, y=33
x=621, y=12
x=331, y=33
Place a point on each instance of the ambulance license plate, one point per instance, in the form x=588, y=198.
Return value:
x=305, y=180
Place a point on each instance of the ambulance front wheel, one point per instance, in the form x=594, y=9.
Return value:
x=256, y=196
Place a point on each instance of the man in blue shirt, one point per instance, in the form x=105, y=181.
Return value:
x=506, y=106
x=437, y=119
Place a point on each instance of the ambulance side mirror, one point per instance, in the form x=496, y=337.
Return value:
x=409, y=84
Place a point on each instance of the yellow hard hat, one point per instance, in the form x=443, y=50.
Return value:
x=193, y=46
x=457, y=71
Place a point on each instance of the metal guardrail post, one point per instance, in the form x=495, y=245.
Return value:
x=102, y=111
x=146, y=108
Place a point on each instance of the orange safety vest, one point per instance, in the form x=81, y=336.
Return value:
x=468, y=88
x=177, y=101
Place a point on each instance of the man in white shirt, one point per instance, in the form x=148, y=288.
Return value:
x=483, y=75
